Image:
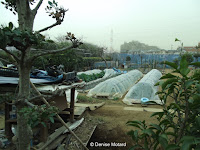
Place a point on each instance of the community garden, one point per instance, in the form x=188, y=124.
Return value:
x=51, y=98
x=173, y=124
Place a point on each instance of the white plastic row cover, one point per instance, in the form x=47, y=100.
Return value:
x=90, y=72
x=116, y=87
x=144, y=89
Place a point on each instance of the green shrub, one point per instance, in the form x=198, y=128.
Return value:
x=88, y=78
x=84, y=98
x=179, y=122
x=39, y=114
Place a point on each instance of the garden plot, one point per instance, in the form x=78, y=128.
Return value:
x=91, y=75
x=89, y=72
x=95, y=78
x=116, y=87
x=144, y=89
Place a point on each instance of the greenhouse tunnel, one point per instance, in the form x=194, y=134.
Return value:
x=144, y=89
x=116, y=87
x=89, y=72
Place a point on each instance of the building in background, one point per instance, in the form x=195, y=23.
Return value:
x=192, y=49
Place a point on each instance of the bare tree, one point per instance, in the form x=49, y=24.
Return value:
x=101, y=52
x=23, y=38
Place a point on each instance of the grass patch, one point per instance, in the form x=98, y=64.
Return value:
x=84, y=99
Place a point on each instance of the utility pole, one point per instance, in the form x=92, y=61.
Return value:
x=111, y=46
x=111, y=41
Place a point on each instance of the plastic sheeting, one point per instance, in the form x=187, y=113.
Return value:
x=14, y=80
x=109, y=73
x=144, y=89
x=53, y=88
x=116, y=87
x=89, y=72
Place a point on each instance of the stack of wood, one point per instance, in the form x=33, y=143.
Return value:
x=61, y=139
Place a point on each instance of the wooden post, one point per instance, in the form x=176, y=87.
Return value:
x=59, y=118
x=8, y=125
x=43, y=132
x=72, y=104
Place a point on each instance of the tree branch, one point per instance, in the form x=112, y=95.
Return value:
x=35, y=98
x=29, y=103
x=5, y=60
x=37, y=7
x=50, y=52
x=49, y=27
x=10, y=103
x=10, y=53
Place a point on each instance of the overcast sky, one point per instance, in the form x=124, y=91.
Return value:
x=153, y=22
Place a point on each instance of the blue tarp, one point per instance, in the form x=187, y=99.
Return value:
x=147, y=58
x=41, y=74
x=136, y=58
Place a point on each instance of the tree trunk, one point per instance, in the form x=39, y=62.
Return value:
x=24, y=132
x=105, y=61
x=25, y=17
x=25, y=21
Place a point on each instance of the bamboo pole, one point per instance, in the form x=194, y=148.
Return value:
x=59, y=118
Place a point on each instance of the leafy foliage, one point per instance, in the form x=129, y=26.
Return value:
x=94, y=50
x=71, y=59
x=5, y=57
x=22, y=39
x=10, y=36
x=179, y=122
x=68, y=58
x=176, y=61
x=88, y=78
x=56, y=12
x=39, y=114
x=189, y=57
x=11, y=5
x=8, y=97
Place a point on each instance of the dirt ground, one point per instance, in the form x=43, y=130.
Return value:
x=114, y=128
x=111, y=121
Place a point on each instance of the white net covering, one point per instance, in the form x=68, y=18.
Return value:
x=89, y=72
x=116, y=87
x=144, y=89
x=109, y=73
